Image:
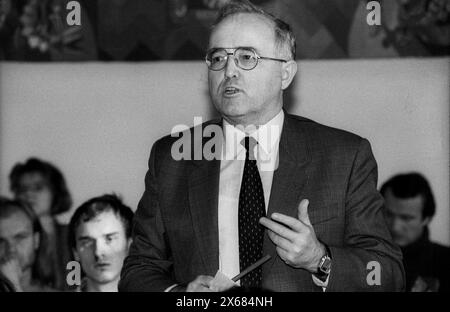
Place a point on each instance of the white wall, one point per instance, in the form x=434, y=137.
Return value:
x=97, y=121
x=401, y=106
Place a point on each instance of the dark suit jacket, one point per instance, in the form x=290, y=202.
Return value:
x=427, y=260
x=175, y=233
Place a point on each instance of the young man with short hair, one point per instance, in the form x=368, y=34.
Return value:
x=100, y=235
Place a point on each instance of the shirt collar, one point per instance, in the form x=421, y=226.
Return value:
x=267, y=135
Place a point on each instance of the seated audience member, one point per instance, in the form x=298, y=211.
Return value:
x=42, y=186
x=22, y=243
x=100, y=236
x=410, y=206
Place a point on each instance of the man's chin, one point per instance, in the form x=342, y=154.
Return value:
x=104, y=278
x=232, y=107
x=238, y=116
x=401, y=242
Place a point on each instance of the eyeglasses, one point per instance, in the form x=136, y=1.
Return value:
x=245, y=58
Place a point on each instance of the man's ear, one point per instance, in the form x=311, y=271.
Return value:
x=36, y=240
x=426, y=221
x=288, y=71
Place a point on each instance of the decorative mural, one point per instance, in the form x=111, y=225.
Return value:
x=148, y=30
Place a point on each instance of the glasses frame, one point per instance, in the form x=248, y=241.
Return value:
x=236, y=61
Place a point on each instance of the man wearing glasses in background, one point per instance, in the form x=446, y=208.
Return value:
x=297, y=191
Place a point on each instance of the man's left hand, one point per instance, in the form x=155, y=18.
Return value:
x=296, y=241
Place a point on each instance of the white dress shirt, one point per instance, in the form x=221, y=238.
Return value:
x=231, y=171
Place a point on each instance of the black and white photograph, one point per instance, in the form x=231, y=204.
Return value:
x=235, y=148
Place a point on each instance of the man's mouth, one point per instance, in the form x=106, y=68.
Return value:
x=102, y=265
x=230, y=91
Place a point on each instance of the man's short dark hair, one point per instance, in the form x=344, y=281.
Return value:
x=55, y=179
x=284, y=37
x=411, y=185
x=95, y=206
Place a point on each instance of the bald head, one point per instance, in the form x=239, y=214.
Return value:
x=284, y=39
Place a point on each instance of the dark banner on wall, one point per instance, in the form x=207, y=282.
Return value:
x=146, y=30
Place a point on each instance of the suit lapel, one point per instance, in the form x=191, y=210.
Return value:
x=203, y=184
x=289, y=179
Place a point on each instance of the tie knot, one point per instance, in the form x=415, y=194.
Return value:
x=249, y=143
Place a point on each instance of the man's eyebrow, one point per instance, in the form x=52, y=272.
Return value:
x=234, y=48
x=84, y=238
x=405, y=215
x=111, y=234
x=247, y=47
x=252, y=48
x=22, y=233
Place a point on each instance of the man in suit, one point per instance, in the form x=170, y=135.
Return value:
x=410, y=207
x=284, y=186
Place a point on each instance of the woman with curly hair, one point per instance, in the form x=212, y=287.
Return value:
x=42, y=186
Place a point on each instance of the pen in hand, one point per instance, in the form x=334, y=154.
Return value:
x=251, y=268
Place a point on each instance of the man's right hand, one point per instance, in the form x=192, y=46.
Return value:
x=201, y=283
x=11, y=269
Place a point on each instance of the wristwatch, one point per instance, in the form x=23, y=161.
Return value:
x=324, y=268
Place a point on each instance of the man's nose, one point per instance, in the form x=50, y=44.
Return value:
x=231, y=68
x=99, y=249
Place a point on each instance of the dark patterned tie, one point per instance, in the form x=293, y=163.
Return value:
x=251, y=209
